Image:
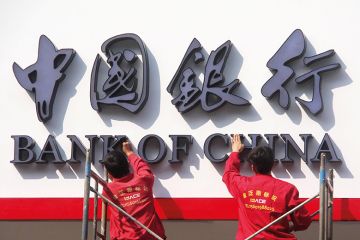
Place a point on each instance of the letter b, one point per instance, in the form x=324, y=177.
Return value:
x=23, y=149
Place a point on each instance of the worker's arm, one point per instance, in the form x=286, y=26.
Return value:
x=301, y=218
x=231, y=176
x=140, y=167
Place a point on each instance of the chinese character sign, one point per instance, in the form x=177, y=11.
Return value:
x=120, y=87
x=292, y=49
x=127, y=82
x=44, y=76
x=213, y=93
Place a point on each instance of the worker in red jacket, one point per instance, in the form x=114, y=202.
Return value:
x=262, y=198
x=133, y=192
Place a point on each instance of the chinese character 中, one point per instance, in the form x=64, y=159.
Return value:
x=44, y=76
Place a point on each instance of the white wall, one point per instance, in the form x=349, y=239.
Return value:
x=256, y=28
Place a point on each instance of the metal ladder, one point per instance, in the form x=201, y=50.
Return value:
x=325, y=211
x=89, y=174
x=326, y=205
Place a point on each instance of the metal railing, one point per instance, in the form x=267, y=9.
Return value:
x=326, y=205
x=89, y=174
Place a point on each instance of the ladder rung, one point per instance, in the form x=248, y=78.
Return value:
x=100, y=235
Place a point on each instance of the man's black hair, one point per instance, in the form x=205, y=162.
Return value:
x=116, y=164
x=262, y=158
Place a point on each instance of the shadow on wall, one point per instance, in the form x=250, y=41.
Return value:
x=148, y=115
x=50, y=162
x=196, y=117
x=74, y=74
x=185, y=166
x=170, y=208
x=51, y=170
x=66, y=90
x=340, y=167
x=329, y=80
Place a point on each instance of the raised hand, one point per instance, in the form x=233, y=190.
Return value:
x=236, y=144
x=127, y=149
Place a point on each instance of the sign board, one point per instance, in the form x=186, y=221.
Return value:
x=177, y=88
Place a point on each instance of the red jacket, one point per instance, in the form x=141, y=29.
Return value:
x=134, y=194
x=261, y=199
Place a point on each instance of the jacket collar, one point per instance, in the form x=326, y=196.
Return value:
x=263, y=175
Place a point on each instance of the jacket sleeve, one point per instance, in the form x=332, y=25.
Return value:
x=301, y=217
x=232, y=178
x=140, y=167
